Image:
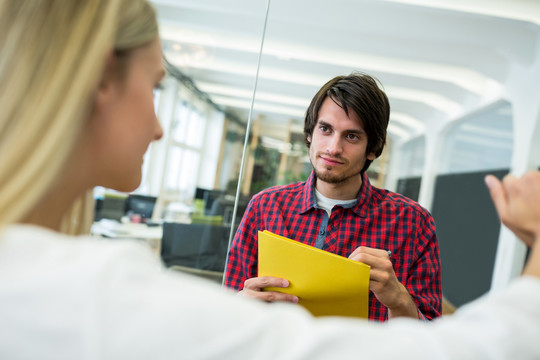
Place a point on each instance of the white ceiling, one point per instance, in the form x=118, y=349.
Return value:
x=437, y=59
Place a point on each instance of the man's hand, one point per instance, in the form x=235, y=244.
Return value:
x=518, y=203
x=384, y=283
x=253, y=288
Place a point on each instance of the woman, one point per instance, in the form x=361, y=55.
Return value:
x=62, y=93
x=77, y=112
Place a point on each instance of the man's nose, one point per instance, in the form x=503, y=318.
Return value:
x=334, y=145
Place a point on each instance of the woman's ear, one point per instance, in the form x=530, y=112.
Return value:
x=107, y=83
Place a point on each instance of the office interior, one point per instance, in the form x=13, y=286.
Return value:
x=462, y=78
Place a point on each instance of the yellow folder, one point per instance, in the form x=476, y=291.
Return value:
x=326, y=284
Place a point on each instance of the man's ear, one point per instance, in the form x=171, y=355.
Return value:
x=371, y=156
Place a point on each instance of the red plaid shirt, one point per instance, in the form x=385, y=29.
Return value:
x=379, y=219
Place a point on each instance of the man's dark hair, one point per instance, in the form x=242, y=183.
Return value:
x=360, y=93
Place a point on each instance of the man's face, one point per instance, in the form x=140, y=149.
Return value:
x=338, y=144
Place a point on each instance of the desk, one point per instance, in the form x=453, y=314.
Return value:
x=115, y=230
x=199, y=246
x=215, y=276
x=199, y=249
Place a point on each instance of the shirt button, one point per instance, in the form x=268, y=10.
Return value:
x=321, y=232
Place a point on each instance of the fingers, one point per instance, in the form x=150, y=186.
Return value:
x=497, y=193
x=254, y=288
x=531, y=181
x=382, y=278
x=259, y=283
x=517, y=201
x=361, y=250
x=382, y=269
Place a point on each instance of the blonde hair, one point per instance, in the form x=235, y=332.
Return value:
x=53, y=54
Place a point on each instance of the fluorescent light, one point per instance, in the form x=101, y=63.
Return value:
x=431, y=99
x=247, y=94
x=245, y=104
x=524, y=10
x=468, y=79
x=408, y=121
x=397, y=131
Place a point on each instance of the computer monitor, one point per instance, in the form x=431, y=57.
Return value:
x=140, y=204
x=111, y=206
x=224, y=205
x=199, y=193
x=210, y=196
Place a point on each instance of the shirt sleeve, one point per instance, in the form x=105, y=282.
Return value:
x=242, y=260
x=424, y=280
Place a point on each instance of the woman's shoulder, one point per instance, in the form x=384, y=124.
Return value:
x=31, y=248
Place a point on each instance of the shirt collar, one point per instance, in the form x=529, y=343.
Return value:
x=310, y=200
x=364, y=196
x=308, y=194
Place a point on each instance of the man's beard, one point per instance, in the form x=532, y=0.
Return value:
x=332, y=178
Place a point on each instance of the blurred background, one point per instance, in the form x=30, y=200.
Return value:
x=462, y=79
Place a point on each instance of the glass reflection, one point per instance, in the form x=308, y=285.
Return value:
x=483, y=141
x=212, y=47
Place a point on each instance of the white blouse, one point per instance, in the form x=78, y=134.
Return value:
x=83, y=298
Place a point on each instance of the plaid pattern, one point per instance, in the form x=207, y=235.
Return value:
x=380, y=219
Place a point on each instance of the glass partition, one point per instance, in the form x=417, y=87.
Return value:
x=467, y=224
x=411, y=166
x=412, y=158
x=184, y=205
x=212, y=49
x=482, y=141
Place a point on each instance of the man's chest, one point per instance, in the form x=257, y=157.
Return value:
x=342, y=231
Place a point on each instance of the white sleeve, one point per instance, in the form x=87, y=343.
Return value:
x=157, y=314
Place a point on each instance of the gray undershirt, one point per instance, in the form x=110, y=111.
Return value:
x=327, y=205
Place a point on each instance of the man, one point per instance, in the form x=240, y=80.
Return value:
x=339, y=211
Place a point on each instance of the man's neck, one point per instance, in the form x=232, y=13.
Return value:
x=345, y=190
